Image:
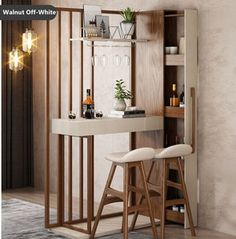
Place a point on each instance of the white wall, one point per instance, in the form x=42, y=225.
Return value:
x=216, y=101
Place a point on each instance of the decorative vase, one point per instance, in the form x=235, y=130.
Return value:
x=119, y=105
x=127, y=29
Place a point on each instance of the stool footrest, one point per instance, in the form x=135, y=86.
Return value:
x=137, y=208
x=136, y=190
x=174, y=185
x=115, y=193
x=174, y=202
x=112, y=199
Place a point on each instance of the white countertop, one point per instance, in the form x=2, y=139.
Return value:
x=85, y=127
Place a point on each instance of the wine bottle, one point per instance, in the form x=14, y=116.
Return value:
x=88, y=106
x=175, y=99
x=181, y=98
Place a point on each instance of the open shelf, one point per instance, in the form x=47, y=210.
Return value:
x=174, y=60
x=174, y=216
x=171, y=13
x=99, y=39
x=174, y=112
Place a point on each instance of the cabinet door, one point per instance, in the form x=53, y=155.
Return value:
x=190, y=126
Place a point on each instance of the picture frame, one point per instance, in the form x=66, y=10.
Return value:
x=102, y=23
x=90, y=13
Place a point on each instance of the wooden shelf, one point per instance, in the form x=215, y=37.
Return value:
x=98, y=39
x=174, y=60
x=174, y=216
x=174, y=112
x=171, y=13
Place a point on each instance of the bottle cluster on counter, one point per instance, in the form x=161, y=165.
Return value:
x=88, y=108
x=175, y=100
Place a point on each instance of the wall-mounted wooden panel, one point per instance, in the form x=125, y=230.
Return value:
x=149, y=80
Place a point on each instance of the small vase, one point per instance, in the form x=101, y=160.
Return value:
x=127, y=29
x=119, y=105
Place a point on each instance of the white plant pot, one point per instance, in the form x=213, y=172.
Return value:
x=127, y=29
x=119, y=105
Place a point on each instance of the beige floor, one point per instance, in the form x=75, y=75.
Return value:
x=172, y=231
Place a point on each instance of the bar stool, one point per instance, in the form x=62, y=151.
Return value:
x=132, y=159
x=172, y=154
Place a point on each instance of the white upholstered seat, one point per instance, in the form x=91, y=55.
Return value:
x=136, y=155
x=174, y=151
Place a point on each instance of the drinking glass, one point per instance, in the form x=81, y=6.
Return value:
x=104, y=60
x=99, y=114
x=95, y=60
x=116, y=60
x=126, y=60
x=72, y=114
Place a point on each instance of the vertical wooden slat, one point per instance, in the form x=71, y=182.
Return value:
x=133, y=102
x=60, y=206
x=47, y=160
x=60, y=182
x=92, y=80
x=81, y=187
x=59, y=63
x=90, y=182
x=70, y=201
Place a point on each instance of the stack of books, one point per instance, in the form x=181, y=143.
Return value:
x=127, y=114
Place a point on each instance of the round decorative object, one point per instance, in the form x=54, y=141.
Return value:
x=119, y=105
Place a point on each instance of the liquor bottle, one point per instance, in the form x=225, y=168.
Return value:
x=181, y=98
x=88, y=106
x=175, y=99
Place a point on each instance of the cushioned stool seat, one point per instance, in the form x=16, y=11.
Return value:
x=179, y=150
x=136, y=155
x=127, y=160
x=170, y=155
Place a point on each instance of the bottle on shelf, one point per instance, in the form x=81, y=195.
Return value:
x=181, y=98
x=88, y=106
x=181, y=209
x=174, y=100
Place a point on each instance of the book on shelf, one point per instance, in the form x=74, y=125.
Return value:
x=127, y=114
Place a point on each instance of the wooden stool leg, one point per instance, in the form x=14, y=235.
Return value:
x=185, y=194
x=135, y=217
x=142, y=171
x=163, y=198
x=126, y=201
x=101, y=206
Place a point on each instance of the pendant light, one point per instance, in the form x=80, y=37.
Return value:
x=16, y=60
x=29, y=41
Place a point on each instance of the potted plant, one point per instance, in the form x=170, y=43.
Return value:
x=127, y=25
x=121, y=94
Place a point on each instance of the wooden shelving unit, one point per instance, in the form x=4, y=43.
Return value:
x=178, y=122
x=174, y=60
x=174, y=216
x=154, y=69
x=174, y=112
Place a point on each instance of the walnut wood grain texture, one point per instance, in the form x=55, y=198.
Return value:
x=174, y=60
x=149, y=82
x=174, y=112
